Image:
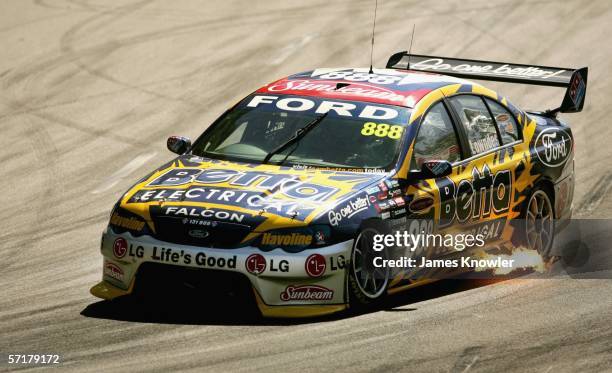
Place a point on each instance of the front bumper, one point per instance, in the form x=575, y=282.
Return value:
x=283, y=289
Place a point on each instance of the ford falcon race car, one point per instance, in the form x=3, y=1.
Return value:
x=281, y=194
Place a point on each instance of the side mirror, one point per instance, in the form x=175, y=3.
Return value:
x=433, y=170
x=178, y=144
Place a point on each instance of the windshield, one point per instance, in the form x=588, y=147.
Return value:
x=353, y=134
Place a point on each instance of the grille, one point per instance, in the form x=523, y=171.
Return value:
x=167, y=279
x=200, y=232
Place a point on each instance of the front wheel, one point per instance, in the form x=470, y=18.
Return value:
x=367, y=283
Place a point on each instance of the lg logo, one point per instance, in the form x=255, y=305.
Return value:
x=255, y=264
x=315, y=265
x=120, y=248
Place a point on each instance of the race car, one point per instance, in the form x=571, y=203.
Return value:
x=281, y=194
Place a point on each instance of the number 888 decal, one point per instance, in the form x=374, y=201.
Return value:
x=382, y=130
x=362, y=77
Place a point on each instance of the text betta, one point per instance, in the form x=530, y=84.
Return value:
x=289, y=185
x=475, y=198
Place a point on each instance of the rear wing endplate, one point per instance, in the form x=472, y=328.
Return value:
x=574, y=80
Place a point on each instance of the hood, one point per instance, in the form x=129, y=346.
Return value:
x=255, y=198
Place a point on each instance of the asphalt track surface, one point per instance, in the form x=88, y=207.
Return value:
x=89, y=92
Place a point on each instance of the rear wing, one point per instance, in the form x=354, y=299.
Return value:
x=574, y=80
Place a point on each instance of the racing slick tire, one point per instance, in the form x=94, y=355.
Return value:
x=367, y=284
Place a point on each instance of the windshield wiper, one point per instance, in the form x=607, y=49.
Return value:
x=296, y=137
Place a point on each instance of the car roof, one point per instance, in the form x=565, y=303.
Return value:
x=384, y=86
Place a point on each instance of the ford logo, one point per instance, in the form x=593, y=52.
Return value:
x=198, y=233
x=553, y=147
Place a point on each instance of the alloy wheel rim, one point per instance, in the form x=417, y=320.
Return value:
x=539, y=222
x=372, y=281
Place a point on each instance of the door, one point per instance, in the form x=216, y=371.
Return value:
x=484, y=186
x=472, y=204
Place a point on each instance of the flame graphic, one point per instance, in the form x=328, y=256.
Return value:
x=526, y=179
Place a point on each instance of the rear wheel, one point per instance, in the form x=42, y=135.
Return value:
x=539, y=222
x=367, y=283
